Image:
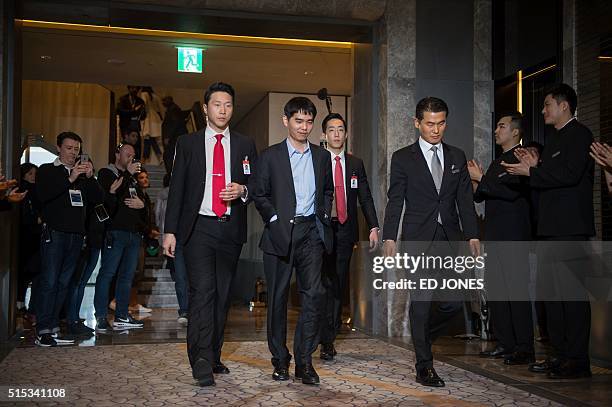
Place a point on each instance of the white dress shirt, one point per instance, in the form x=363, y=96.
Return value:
x=210, y=141
x=428, y=154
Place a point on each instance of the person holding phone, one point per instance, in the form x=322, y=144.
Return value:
x=64, y=197
x=124, y=201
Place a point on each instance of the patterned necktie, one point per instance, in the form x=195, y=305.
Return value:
x=219, y=206
x=436, y=168
x=340, y=195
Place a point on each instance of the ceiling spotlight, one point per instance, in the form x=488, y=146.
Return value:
x=114, y=61
x=308, y=73
x=45, y=58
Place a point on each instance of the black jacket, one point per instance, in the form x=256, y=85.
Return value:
x=411, y=183
x=188, y=181
x=122, y=217
x=354, y=167
x=565, y=181
x=507, y=198
x=275, y=195
x=52, y=186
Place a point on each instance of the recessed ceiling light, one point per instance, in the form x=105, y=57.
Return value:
x=45, y=58
x=114, y=61
x=308, y=73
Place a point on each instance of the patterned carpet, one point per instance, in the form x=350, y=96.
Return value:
x=366, y=372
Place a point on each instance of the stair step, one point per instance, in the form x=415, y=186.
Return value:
x=156, y=287
x=155, y=262
x=158, y=300
x=157, y=273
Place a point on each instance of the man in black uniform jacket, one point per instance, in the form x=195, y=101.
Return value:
x=565, y=181
x=350, y=183
x=293, y=195
x=65, y=188
x=207, y=214
x=507, y=219
x=432, y=180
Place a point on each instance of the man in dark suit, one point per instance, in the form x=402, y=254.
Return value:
x=507, y=218
x=293, y=194
x=350, y=183
x=565, y=181
x=432, y=180
x=207, y=214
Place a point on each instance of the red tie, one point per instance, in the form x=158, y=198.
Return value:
x=340, y=197
x=219, y=206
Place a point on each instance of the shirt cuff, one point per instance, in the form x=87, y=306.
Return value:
x=245, y=197
x=273, y=218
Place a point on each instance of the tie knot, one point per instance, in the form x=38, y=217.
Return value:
x=337, y=158
x=219, y=137
x=434, y=149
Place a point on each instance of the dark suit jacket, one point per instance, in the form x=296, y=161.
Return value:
x=507, y=197
x=565, y=181
x=274, y=194
x=411, y=183
x=188, y=182
x=354, y=167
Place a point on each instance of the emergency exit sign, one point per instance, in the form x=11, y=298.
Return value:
x=189, y=60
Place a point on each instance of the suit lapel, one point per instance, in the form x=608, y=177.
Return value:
x=448, y=166
x=201, y=158
x=422, y=164
x=315, y=165
x=234, y=158
x=285, y=164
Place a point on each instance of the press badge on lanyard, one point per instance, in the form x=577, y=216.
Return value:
x=246, y=166
x=354, y=182
x=76, y=199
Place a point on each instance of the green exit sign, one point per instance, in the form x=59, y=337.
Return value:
x=189, y=60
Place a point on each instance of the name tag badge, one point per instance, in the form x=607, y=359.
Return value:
x=354, y=182
x=76, y=199
x=246, y=166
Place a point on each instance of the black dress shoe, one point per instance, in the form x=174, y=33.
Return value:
x=545, y=366
x=429, y=377
x=496, y=353
x=220, y=368
x=519, y=358
x=307, y=373
x=281, y=373
x=203, y=373
x=569, y=370
x=328, y=351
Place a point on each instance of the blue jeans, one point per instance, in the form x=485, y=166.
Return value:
x=77, y=287
x=58, y=258
x=120, y=259
x=178, y=271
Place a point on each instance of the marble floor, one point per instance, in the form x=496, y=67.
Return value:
x=151, y=368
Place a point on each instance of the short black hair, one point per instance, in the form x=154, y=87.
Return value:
x=67, y=135
x=333, y=116
x=218, y=87
x=120, y=146
x=430, y=104
x=143, y=169
x=25, y=168
x=516, y=121
x=299, y=104
x=564, y=92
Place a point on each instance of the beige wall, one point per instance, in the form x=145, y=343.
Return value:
x=49, y=108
